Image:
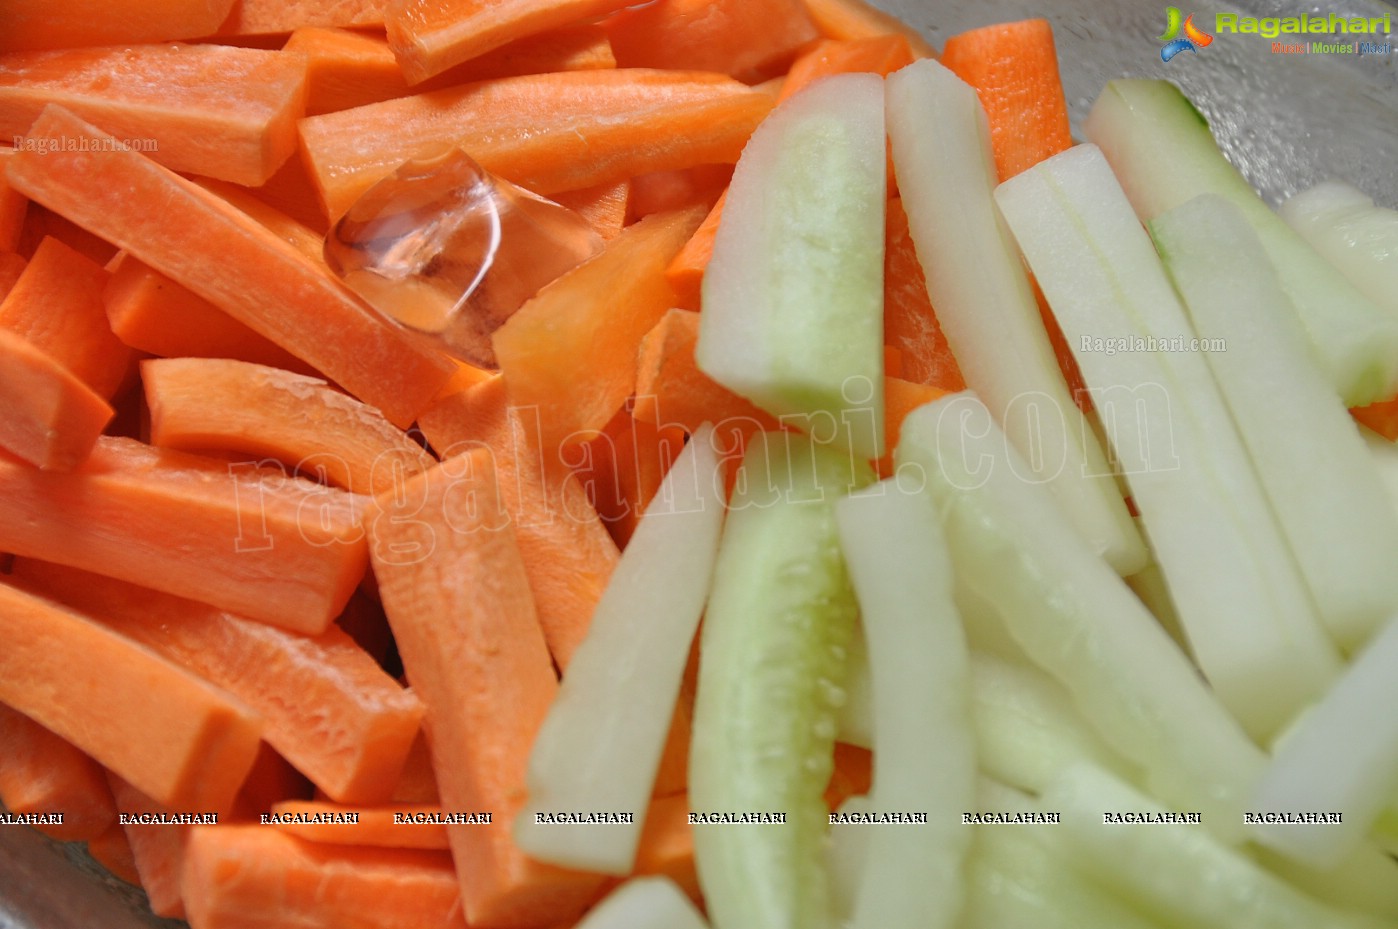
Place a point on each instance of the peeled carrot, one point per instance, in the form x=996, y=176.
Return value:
x=418, y=783
x=52, y=419
x=272, y=780
x=254, y=877
x=13, y=207
x=215, y=110
x=291, y=192
x=622, y=469
x=875, y=54
x=661, y=191
x=1014, y=69
x=856, y=19
x=545, y=132
x=324, y=704
x=231, y=261
x=603, y=206
x=276, y=549
x=57, y=305
x=454, y=585
x=685, y=273
x=909, y=321
x=112, y=850
x=271, y=17
x=11, y=267
x=157, y=726
x=41, y=772
x=1382, y=417
x=395, y=826
x=430, y=36
x=570, y=352
x=41, y=223
x=750, y=39
x=157, y=850
x=38, y=24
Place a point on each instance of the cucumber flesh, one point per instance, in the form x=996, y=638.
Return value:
x=1342, y=223
x=645, y=903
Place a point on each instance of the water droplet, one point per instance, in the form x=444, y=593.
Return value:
x=446, y=249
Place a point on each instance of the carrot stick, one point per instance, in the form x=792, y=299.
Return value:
x=231, y=261
x=13, y=207
x=398, y=826
x=253, y=877
x=875, y=54
x=685, y=273
x=41, y=222
x=1014, y=69
x=750, y=39
x=324, y=704
x=545, y=132
x=570, y=352
x=291, y=192
x=156, y=849
x=56, y=304
x=604, y=206
x=909, y=321
x=203, y=404
x=852, y=776
x=661, y=191
x=112, y=850
x=213, y=110
x=418, y=783
x=152, y=313
x=622, y=469
x=41, y=772
x=272, y=780
x=430, y=36
x=271, y=17
x=37, y=24
x=156, y=725
x=1382, y=417
x=12, y=266
x=856, y=19
x=568, y=554
x=253, y=541
x=454, y=585
x=52, y=419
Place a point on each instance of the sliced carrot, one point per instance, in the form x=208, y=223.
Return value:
x=156, y=848
x=852, y=776
x=41, y=772
x=568, y=554
x=202, y=404
x=272, y=17
x=666, y=847
x=152, y=313
x=52, y=419
x=909, y=321
x=57, y=305
x=661, y=191
x=1014, y=69
x=346, y=69
x=41, y=222
x=570, y=352
x=325, y=705
x=430, y=36
x=685, y=272
x=857, y=19
x=112, y=850
x=875, y=54
x=230, y=260
x=545, y=132
x=250, y=540
x=215, y=110
x=603, y=206
x=240, y=877
x=750, y=39
x=622, y=469
x=155, y=724
x=418, y=783
x=397, y=826
x=454, y=585
x=38, y=24
x=13, y=207
x=296, y=234
x=272, y=780
x=1382, y=417
x=11, y=267
x=291, y=191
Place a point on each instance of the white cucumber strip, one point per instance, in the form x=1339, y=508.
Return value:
x=1341, y=757
x=924, y=747
x=1342, y=223
x=1177, y=872
x=1076, y=618
x=793, y=296
x=857, y=713
x=986, y=306
x=1248, y=616
x=1366, y=880
x=773, y=655
x=1163, y=153
x=645, y=903
x=1304, y=445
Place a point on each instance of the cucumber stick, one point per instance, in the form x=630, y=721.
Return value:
x=793, y=295
x=645, y=903
x=1163, y=153
x=1361, y=239
x=772, y=666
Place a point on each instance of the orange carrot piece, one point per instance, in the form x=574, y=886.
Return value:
x=205, y=404
x=622, y=469
x=1382, y=417
x=545, y=132
x=672, y=776
x=750, y=39
x=273, y=17
x=52, y=419
x=852, y=775
x=56, y=304
x=661, y=191
x=325, y=705
x=13, y=208
x=856, y=19
x=568, y=554
x=396, y=826
x=201, y=109
x=253, y=877
x=454, y=585
x=900, y=398
x=157, y=848
x=277, y=549
x=112, y=850
x=666, y=847
x=1014, y=69
x=41, y=772
x=155, y=724
x=430, y=36
x=296, y=234
x=41, y=223
x=272, y=780
x=346, y=69
x=909, y=321
x=604, y=206
x=39, y=24
x=418, y=783
x=291, y=192
x=875, y=54
x=570, y=352
x=12, y=265
x=230, y=260
x=685, y=272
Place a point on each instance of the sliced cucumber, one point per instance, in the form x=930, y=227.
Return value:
x=645, y=903
x=1163, y=153
x=1342, y=223
x=793, y=296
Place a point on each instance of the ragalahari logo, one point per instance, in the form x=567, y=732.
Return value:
x=1193, y=39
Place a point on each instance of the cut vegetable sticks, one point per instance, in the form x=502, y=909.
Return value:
x=39, y=25
x=41, y=773
x=545, y=132
x=604, y=206
x=214, y=110
x=272, y=17
x=112, y=850
x=856, y=19
x=1382, y=417
x=13, y=208
x=397, y=826
x=229, y=260
x=685, y=273
x=325, y=705
x=749, y=39
x=11, y=267
x=875, y=54
x=156, y=725
x=254, y=541
x=667, y=844
x=909, y=320
x=52, y=419
x=157, y=849
x=454, y=585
